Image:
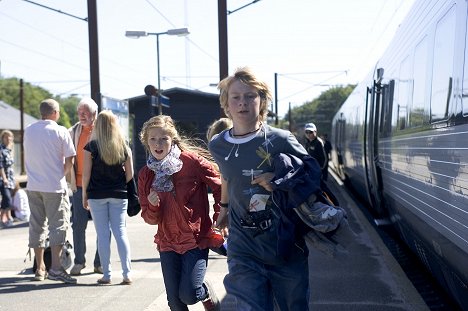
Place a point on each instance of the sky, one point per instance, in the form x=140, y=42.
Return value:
x=312, y=45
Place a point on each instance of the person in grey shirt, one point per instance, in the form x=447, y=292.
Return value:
x=260, y=274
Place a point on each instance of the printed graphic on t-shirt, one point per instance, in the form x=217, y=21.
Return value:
x=251, y=173
x=258, y=202
x=268, y=141
x=263, y=154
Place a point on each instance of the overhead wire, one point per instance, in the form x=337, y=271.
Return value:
x=369, y=52
x=74, y=46
x=321, y=83
x=186, y=38
x=379, y=38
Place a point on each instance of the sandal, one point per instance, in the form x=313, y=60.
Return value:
x=126, y=281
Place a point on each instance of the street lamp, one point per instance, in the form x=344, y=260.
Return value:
x=171, y=32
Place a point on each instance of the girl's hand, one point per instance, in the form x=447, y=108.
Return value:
x=153, y=197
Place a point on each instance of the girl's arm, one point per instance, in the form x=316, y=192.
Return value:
x=86, y=175
x=211, y=177
x=150, y=212
x=128, y=166
x=3, y=175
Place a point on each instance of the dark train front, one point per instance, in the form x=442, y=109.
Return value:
x=401, y=139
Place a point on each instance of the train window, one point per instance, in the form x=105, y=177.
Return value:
x=396, y=105
x=465, y=80
x=444, y=43
x=357, y=120
x=404, y=93
x=386, y=113
x=465, y=89
x=419, y=113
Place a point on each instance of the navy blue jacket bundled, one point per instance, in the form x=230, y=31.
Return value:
x=300, y=179
x=304, y=212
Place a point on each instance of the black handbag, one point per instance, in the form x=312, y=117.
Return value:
x=133, y=201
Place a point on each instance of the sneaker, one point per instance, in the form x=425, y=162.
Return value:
x=76, y=270
x=40, y=275
x=104, y=281
x=61, y=275
x=98, y=270
x=211, y=303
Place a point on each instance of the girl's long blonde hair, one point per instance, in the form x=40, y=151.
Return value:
x=109, y=138
x=184, y=143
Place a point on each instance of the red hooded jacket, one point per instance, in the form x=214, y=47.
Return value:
x=182, y=215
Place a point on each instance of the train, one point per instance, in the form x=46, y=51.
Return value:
x=401, y=139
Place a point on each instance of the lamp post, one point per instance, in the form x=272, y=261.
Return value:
x=171, y=32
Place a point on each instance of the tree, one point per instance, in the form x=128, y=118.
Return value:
x=32, y=96
x=319, y=111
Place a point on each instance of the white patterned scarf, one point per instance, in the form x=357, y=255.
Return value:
x=164, y=169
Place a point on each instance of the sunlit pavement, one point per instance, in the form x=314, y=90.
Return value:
x=368, y=278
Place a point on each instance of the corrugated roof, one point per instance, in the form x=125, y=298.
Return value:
x=10, y=118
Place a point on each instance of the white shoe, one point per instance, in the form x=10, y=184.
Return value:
x=76, y=270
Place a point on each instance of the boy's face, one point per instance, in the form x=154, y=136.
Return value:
x=159, y=142
x=243, y=102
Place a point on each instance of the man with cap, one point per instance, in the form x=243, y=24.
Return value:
x=314, y=146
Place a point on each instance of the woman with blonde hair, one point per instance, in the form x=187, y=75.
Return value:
x=7, y=177
x=107, y=167
x=173, y=192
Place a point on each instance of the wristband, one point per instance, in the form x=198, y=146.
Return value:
x=225, y=205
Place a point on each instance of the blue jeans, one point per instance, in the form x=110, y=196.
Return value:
x=5, y=194
x=79, y=224
x=183, y=277
x=256, y=286
x=110, y=214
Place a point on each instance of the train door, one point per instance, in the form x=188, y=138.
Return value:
x=340, y=137
x=371, y=144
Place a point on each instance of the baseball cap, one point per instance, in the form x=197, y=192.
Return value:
x=310, y=127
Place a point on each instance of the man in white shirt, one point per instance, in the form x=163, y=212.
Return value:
x=49, y=153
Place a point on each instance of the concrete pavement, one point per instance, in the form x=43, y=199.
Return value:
x=367, y=279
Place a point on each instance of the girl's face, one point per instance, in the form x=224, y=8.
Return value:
x=7, y=140
x=243, y=102
x=159, y=142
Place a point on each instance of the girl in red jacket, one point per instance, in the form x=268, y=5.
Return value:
x=173, y=192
